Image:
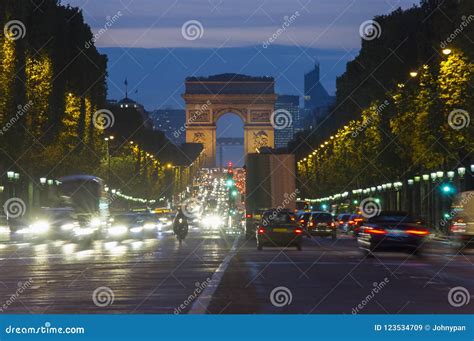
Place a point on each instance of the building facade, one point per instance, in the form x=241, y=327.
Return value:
x=317, y=100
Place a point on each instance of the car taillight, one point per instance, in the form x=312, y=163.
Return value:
x=358, y=220
x=298, y=231
x=333, y=224
x=458, y=227
x=351, y=222
x=418, y=232
x=248, y=216
x=374, y=231
x=301, y=221
x=261, y=230
x=311, y=224
x=341, y=222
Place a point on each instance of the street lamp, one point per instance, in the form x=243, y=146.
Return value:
x=462, y=171
x=447, y=51
x=17, y=176
x=10, y=175
x=43, y=181
x=426, y=177
x=413, y=74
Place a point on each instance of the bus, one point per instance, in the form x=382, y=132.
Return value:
x=86, y=195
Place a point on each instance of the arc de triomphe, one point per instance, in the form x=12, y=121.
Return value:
x=208, y=98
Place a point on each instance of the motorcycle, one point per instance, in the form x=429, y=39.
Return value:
x=181, y=229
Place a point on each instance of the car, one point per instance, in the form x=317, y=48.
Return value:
x=461, y=230
x=48, y=224
x=303, y=219
x=125, y=226
x=150, y=223
x=278, y=228
x=343, y=222
x=251, y=223
x=392, y=231
x=322, y=224
x=354, y=223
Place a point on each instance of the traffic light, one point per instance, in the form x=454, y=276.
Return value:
x=234, y=193
x=447, y=188
x=230, y=183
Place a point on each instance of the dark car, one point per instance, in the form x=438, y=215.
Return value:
x=251, y=223
x=343, y=222
x=125, y=226
x=278, y=228
x=303, y=219
x=322, y=224
x=462, y=226
x=354, y=223
x=392, y=231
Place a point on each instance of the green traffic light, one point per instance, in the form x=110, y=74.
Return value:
x=234, y=193
x=230, y=183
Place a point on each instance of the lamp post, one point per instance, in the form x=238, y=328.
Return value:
x=107, y=143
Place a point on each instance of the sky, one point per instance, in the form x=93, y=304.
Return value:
x=156, y=44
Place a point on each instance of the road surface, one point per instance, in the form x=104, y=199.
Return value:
x=219, y=274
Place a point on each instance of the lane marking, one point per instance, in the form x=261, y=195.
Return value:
x=201, y=304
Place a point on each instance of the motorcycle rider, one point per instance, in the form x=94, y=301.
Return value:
x=180, y=225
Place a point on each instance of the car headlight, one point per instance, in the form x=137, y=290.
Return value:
x=118, y=230
x=149, y=226
x=67, y=227
x=96, y=222
x=136, y=229
x=84, y=231
x=40, y=227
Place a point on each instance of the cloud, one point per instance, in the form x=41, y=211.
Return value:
x=147, y=23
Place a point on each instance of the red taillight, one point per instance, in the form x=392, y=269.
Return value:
x=302, y=221
x=298, y=231
x=248, y=215
x=351, y=222
x=333, y=224
x=375, y=231
x=341, y=222
x=261, y=230
x=358, y=220
x=311, y=224
x=418, y=232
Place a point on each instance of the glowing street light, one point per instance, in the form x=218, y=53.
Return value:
x=413, y=74
x=447, y=51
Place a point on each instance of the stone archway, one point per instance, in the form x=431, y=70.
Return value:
x=208, y=98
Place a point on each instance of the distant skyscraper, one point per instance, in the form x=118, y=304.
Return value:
x=171, y=122
x=317, y=101
x=291, y=104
